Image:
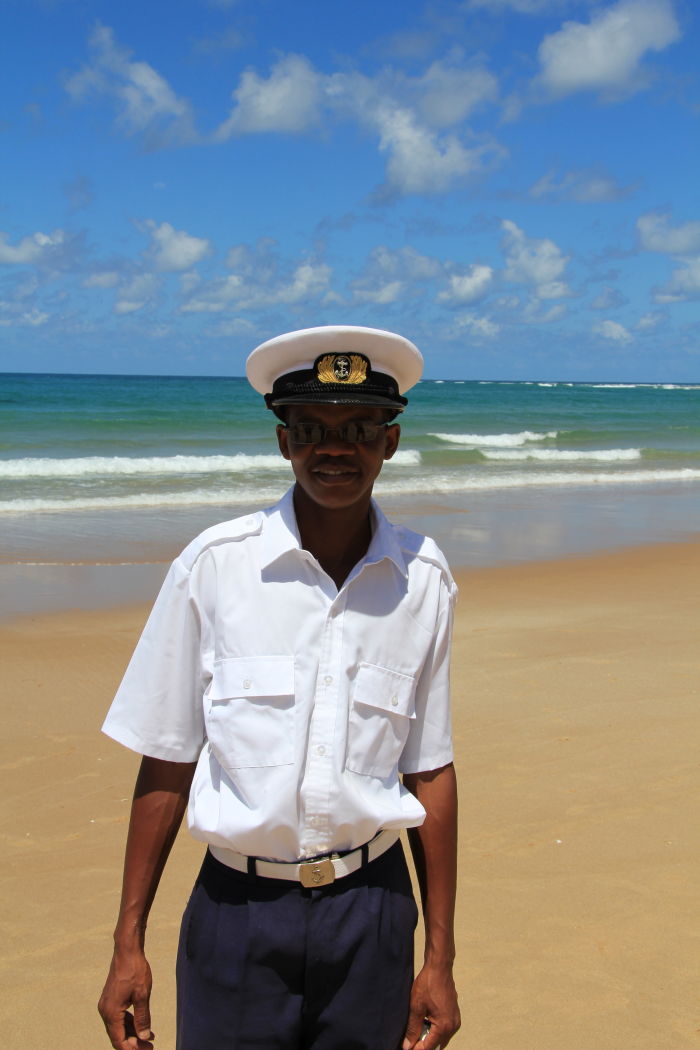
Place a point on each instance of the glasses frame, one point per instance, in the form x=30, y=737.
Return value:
x=325, y=431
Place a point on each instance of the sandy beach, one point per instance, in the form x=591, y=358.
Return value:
x=576, y=693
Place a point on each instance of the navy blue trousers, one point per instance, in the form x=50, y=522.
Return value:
x=267, y=964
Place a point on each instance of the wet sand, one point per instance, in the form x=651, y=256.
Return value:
x=576, y=695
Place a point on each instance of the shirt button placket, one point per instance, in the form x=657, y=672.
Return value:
x=320, y=771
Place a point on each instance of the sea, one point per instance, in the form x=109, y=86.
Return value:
x=108, y=470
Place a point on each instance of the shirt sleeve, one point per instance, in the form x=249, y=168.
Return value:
x=157, y=710
x=429, y=743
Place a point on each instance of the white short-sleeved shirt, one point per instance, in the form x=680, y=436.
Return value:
x=301, y=703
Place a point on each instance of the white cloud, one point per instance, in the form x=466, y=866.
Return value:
x=388, y=275
x=404, y=113
x=536, y=262
x=175, y=250
x=584, y=187
x=448, y=92
x=608, y=299
x=289, y=100
x=382, y=295
x=524, y=7
x=260, y=281
x=468, y=287
x=30, y=249
x=477, y=327
x=137, y=293
x=684, y=284
x=605, y=54
x=613, y=331
x=104, y=279
x=146, y=104
x=651, y=320
x=657, y=235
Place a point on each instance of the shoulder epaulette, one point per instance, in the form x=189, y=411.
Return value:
x=232, y=531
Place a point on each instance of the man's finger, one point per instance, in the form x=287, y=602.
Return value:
x=413, y=1029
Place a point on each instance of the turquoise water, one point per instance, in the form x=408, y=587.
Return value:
x=80, y=456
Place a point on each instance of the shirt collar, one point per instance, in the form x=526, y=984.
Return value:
x=281, y=535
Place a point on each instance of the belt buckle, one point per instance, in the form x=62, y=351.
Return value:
x=314, y=873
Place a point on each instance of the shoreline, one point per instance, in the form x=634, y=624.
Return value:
x=575, y=723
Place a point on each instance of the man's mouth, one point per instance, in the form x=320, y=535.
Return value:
x=334, y=472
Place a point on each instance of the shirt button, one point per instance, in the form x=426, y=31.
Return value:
x=247, y=683
x=394, y=701
x=328, y=679
x=320, y=750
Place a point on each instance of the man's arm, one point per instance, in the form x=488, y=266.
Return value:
x=160, y=800
x=434, y=849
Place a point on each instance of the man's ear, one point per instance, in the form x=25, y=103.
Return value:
x=393, y=433
x=283, y=441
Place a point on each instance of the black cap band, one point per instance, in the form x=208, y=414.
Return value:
x=343, y=379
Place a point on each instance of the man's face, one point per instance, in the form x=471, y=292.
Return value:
x=333, y=473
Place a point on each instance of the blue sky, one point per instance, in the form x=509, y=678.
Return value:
x=513, y=184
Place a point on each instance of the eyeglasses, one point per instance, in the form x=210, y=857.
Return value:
x=352, y=433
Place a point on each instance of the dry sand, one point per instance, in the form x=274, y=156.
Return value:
x=576, y=695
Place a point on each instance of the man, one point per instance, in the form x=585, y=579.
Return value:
x=295, y=664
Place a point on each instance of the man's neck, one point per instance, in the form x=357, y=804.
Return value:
x=338, y=539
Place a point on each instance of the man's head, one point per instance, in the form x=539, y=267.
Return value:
x=337, y=365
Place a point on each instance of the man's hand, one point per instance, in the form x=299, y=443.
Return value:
x=433, y=999
x=128, y=984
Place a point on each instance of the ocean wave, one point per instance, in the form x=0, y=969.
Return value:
x=125, y=466
x=495, y=440
x=556, y=455
x=398, y=485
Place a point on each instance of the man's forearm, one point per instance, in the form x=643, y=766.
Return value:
x=434, y=849
x=159, y=803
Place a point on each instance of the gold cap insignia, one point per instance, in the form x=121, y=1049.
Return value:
x=342, y=368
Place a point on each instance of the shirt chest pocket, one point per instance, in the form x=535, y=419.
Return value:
x=249, y=711
x=381, y=714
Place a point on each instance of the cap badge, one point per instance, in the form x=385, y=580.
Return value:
x=342, y=368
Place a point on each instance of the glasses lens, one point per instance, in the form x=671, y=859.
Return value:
x=352, y=433
x=306, y=433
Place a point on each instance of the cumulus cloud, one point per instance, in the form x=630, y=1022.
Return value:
x=468, y=287
x=584, y=187
x=135, y=294
x=536, y=262
x=605, y=54
x=260, y=280
x=651, y=320
x=657, y=235
x=446, y=94
x=608, y=299
x=524, y=7
x=613, y=331
x=146, y=104
x=289, y=100
x=33, y=249
x=683, y=242
x=684, y=284
x=476, y=327
x=389, y=275
x=407, y=115
x=174, y=250
x=102, y=279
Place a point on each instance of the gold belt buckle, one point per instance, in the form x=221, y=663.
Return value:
x=314, y=873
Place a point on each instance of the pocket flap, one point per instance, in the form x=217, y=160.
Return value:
x=241, y=676
x=388, y=690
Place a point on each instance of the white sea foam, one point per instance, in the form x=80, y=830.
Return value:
x=555, y=455
x=494, y=440
x=156, y=466
x=417, y=483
